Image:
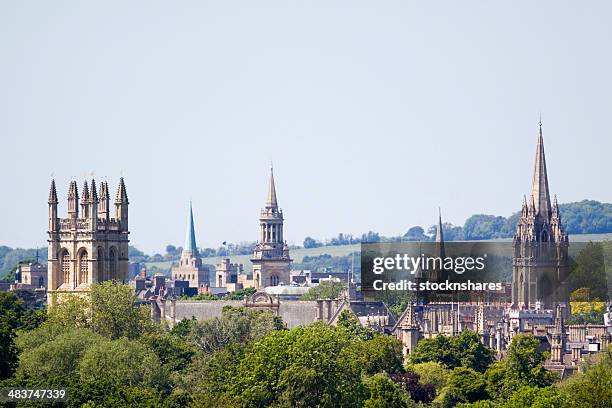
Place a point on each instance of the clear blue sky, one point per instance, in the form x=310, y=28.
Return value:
x=374, y=113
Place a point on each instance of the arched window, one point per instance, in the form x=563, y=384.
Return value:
x=101, y=269
x=41, y=282
x=112, y=264
x=220, y=281
x=83, y=267
x=273, y=280
x=65, y=276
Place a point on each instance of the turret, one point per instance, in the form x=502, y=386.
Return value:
x=85, y=201
x=121, y=205
x=93, y=204
x=73, y=200
x=53, y=220
x=104, y=201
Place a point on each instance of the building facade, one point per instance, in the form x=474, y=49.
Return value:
x=89, y=245
x=540, y=262
x=271, y=260
x=190, y=266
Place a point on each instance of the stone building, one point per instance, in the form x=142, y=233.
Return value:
x=33, y=275
x=228, y=275
x=540, y=262
x=190, y=266
x=271, y=260
x=89, y=245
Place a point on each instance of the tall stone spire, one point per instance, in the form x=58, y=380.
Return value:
x=439, y=232
x=440, y=236
x=190, y=240
x=539, y=193
x=271, y=200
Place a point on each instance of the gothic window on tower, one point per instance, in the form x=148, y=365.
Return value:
x=65, y=258
x=273, y=280
x=83, y=267
x=112, y=264
x=101, y=272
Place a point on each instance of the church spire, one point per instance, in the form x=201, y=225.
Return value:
x=540, y=194
x=190, y=240
x=271, y=200
x=439, y=232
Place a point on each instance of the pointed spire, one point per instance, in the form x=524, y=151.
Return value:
x=85, y=195
x=439, y=246
x=271, y=200
x=439, y=231
x=121, y=193
x=93, y=198
x=540, y=193
x=52, y=193
x=190, y=240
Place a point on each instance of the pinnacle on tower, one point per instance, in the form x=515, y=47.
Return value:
x=93, y=198
x=540, y=194
x=52, y=193
x=121, y=193
x=190, y=240
x=271, y=200
x=73, y=199
x=85, y=196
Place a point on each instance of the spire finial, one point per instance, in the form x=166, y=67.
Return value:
x=271, y=199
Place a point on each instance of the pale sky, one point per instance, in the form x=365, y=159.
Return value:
x=374, y=113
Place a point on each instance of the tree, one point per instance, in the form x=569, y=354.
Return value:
x=589, y=272
x=593, y=388
x=349, y=322
x=320, y=352
x=241, y=293
x=174, y=353
x=8, y=350
x=324, y=290
x=464, y=350
x=536, y=397
x=432, y=373
x=416, y=233
x=522, y=367
x=110, y=365
x=115, y=312
x=464, y=385
x=384, y=393
x=411, y=383
x=236, y=325
x=311, y=243
x=54, y=361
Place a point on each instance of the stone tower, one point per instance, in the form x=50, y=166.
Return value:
x=190, y=265
x=540, y=262
x=271, y=261
x=89, y=246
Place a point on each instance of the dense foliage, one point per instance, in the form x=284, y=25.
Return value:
x=107, y=353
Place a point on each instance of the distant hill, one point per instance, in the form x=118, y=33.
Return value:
x=582, y=217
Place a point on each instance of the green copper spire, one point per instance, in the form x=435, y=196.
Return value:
x=190, y=240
